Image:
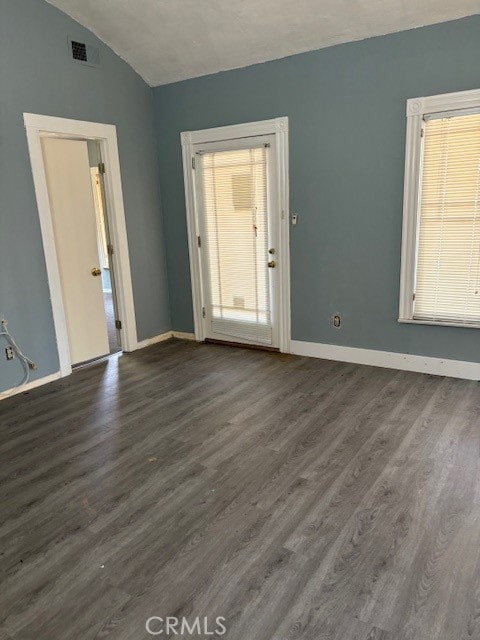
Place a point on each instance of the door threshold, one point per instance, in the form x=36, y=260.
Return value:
x=228, y=343
x=89, y=363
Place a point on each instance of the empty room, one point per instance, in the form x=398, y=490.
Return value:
x=239, y=304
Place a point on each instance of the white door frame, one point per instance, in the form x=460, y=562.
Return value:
x=279, y=128
x=38, y=126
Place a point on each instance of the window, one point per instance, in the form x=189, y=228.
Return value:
x=236, y=229
x=441, y=227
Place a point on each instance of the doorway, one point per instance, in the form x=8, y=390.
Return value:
x=237, y=193
x=105, y=245
x=235, y=184
x=82, y=240
x=83, y=223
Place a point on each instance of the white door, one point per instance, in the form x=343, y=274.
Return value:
x=238, y=225
x=73, y=215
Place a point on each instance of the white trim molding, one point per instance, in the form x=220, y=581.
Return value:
x=389, y=360
x=8, y=393
x=149, y=341
x=279, y=128
x=181, y=335
x=417, y=110
x=38, y=126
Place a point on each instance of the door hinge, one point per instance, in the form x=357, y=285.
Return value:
x=203, y=312
x=101, y=168
x=422, y=132
x=199, y=241
x=193, y=162
x=118, y=324
x=110, y=249
x=413, y=297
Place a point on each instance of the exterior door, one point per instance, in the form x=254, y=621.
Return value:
x=237, y=207
x=74, y=224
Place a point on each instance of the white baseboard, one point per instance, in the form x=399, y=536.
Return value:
x=8, y=393
x=149, y=341
x=183, y=336
x=388, y=359
x=165, y=336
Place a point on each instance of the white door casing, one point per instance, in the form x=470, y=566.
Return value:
x=38, y=127
x=217, y=138
x=74, y=224
x=236, y=191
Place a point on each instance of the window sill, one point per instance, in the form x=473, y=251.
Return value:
x=438, y=323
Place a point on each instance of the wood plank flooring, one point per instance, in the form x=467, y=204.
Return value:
x=296, y=498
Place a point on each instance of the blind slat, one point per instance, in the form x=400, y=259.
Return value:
x=447, y=285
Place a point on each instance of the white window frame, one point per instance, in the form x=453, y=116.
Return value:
x=417, y=109
x=279, y=128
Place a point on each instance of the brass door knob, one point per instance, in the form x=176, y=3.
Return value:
x=271, y=264
x=96, y=271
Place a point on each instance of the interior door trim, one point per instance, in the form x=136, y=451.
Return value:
x=279, y=128
x=38, y=126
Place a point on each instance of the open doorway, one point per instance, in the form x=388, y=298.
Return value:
x=81, y=231
x=77, y=179
x=105, y=246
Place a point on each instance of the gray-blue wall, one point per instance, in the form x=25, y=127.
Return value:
x=346, y=106
x=37, y=76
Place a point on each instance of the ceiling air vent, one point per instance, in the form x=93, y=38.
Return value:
x=79, y=51
x=84, y=53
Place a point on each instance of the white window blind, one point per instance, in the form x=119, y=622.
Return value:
x=233, y=193
x=447, y=283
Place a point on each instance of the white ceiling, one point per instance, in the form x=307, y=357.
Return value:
x=170, y=40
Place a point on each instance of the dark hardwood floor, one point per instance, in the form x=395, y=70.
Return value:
x=297, y=498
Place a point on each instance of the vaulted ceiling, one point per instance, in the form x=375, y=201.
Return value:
x=170, y=40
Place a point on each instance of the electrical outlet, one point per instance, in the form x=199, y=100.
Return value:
x=9, y=352
x=337, y=321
